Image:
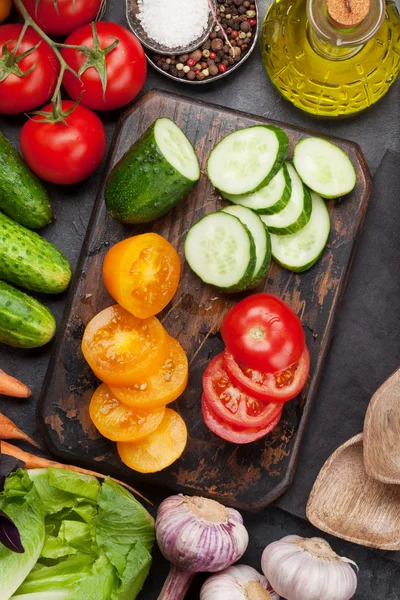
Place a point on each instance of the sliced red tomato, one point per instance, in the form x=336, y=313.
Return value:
x=233, y=434
x=280, y=386
x=231, y=404
x=263, y=333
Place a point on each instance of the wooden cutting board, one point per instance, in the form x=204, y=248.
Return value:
x=249, y=476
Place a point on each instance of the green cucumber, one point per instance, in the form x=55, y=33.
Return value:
x=300, y=251
x=29, y=261
x=156, y=173
x=324, y=167
x=247, y=159
x=261, y=239
x=24, y=322
x=22, y=196
x=270, y=199
x=221, y=251
x=296, y=213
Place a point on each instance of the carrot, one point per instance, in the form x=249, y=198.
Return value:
x=9, y=431
x=37, y=462
x=9, y=386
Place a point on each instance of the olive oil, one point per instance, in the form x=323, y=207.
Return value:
x=325, y=70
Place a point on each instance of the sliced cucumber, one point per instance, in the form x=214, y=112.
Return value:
x=247, y=159
x=299, y=251
x=261, y=239
x=296, y=213
x=324, y=167
x=270, y=199
x=221, y=251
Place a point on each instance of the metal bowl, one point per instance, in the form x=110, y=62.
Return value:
x=132, y=11
x=209, y=80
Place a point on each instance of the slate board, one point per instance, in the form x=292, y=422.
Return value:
x=247, y=477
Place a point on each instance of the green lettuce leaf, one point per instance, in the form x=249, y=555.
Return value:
x=21, y=502
x=121, y=522
x=138, y=563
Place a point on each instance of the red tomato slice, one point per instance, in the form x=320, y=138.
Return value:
x=232, y=434
x=231, y=404
x=269, y=387
x=263, y=333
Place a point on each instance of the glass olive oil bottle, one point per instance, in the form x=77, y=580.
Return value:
x=332, y=57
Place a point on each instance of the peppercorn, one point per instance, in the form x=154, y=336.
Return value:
x=196, y=55
x=206, y=72
x=186, y=69
x=191, y=75
x=246, y=4
x=251, y=14
x=207, y=45
x=213, y=35
x=222, y=68
x=206, y=53
x=179, y=66
x=213, y=55
x=200, y=76
x=242, y=10
x=217, y=44
x=197, y=67
x=165, y=66
x=235, y=33
x=181, y=74
x=174, y=71
x=203, y=65
x=183, y=58
x=213, y=69
x=190, y=62
x=243, y=47
x=225, y=62
x=253, y=22
x=245, y=26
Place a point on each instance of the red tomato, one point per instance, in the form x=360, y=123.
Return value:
x=232, y=405
x=269, y=387
x=61, y=17
x=125, y=67
x=263, y=333
x=20, y=93
x=233, y=434
x=64, y=152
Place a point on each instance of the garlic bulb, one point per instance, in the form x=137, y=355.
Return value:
x=237, y=583
x=308, y=569
x=196, y=534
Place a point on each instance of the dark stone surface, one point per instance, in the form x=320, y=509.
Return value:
x=249, y=90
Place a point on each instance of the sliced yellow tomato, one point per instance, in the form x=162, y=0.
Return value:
x=165, y=386
x=142, y=273
x=159, y=449
x=118, y=422
x=122, y=349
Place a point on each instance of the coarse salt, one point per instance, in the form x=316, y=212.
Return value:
x=174, y=23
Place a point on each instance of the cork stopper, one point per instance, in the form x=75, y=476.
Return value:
x=347, y=14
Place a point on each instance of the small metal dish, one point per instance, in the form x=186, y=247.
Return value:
x=208, y=80
x=132, y=11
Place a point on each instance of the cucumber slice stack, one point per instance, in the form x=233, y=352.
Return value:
x=276, y=208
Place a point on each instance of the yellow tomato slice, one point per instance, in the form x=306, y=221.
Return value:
x=122, y=349
x=165, y=386
x=118, y=422
x=142, y=273
x=159, y=449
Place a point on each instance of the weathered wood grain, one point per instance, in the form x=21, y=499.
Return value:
x=249, y=476
x=382, y=432
x=345, y=502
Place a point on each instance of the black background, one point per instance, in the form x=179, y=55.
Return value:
x=366, y=345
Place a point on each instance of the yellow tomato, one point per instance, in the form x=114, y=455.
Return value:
x=5, y=8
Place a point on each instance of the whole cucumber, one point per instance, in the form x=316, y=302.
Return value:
x=24, y=322
x=22, y=196
x=29, y=261
x=156, y=173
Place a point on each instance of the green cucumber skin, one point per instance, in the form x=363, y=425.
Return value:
x=263, y=271
x=281, y=204
x=244, y=283
x=24, y=322
x=280, y=158
x=301, y=221
x=27, y=260
x=22, y=196
x=143, y=185
x=304, y=267
x=275, y=208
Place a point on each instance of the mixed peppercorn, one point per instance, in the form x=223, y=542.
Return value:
x=237, y=18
